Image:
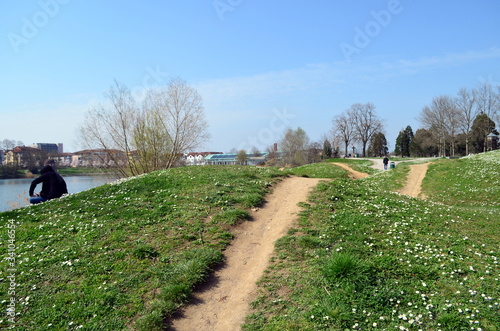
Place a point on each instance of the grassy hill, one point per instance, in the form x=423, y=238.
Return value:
x=126, y=255
x=363, y=258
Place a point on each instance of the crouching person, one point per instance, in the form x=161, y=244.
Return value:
x=53, y=185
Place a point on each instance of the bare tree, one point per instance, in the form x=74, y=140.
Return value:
x=467, y=112
x=453, y=123
x=343, y=129
x=488, y=101
x=153, y=136
x=110, y=128
x=294, y=147
x=366, y=122
x=443, y=117
x=9, y=144
x=178, y=117
x=241, y=158
x=314, y=152
x=255, y=151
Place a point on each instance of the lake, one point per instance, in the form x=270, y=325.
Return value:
x=14, y=192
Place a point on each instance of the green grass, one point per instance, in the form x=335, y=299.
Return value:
x=363, y=258
x=127, y=254
x=319, y=170
x=471, y=181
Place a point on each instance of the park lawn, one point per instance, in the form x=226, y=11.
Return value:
x=363, y=258
x=469, y=181
x=123, y=255
x=128, y=254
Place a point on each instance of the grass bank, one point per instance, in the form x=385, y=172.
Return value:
x=127, y=255
x=363, y=258
x=122, y=255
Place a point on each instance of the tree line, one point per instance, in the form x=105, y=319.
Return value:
x=140, y=136
x=453, y=125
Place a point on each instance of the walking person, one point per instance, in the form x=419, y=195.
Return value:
x=53, y=185
x=386, y=162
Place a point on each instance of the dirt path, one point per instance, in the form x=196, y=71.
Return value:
x=225, y=303
x=353, y=174
x=413, y=185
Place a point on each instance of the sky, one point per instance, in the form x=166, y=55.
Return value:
x=260, y=66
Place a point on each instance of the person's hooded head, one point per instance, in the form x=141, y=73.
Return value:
x=46, y=169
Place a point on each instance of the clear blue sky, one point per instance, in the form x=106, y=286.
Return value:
x=260, y=66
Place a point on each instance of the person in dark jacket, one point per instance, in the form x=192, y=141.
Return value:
x=53, y=185
x=386, y=162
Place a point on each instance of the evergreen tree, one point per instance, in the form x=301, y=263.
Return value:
x=378, y=145
x=327, y=149
x=482, y=126
x=403, y=142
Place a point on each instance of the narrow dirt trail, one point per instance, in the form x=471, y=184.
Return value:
x=225, y=303
x=413, y=185
x=353, y=174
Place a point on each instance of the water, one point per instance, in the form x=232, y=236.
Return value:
x=14, y=192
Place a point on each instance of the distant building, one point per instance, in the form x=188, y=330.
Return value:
x=492, y=141
x=49, y=148
x=63, y=159
x=24, y=156
x=98, y=158
x=232, y=158
x=197, y=158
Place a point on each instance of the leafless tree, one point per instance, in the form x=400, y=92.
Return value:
x=314, y=152
x=343, y=130
x=151, y=136
x=294, y=147
x=488, y=101
x=467, y=112
x=9, y=144
x=241, y=158
x=110, y=127
x=442, y=116
x=177, y=117
x=366, y=122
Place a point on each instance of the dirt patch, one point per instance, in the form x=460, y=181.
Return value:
x=224, y=304
x=413, y=185
x=353, y=174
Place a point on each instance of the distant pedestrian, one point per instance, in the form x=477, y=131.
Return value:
x=386, y=162
x=53, y=185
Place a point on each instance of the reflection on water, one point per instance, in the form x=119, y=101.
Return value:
x=14, y=192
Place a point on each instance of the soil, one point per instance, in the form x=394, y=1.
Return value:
x=353, y=174
x=223, y=302
x=413, y=185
